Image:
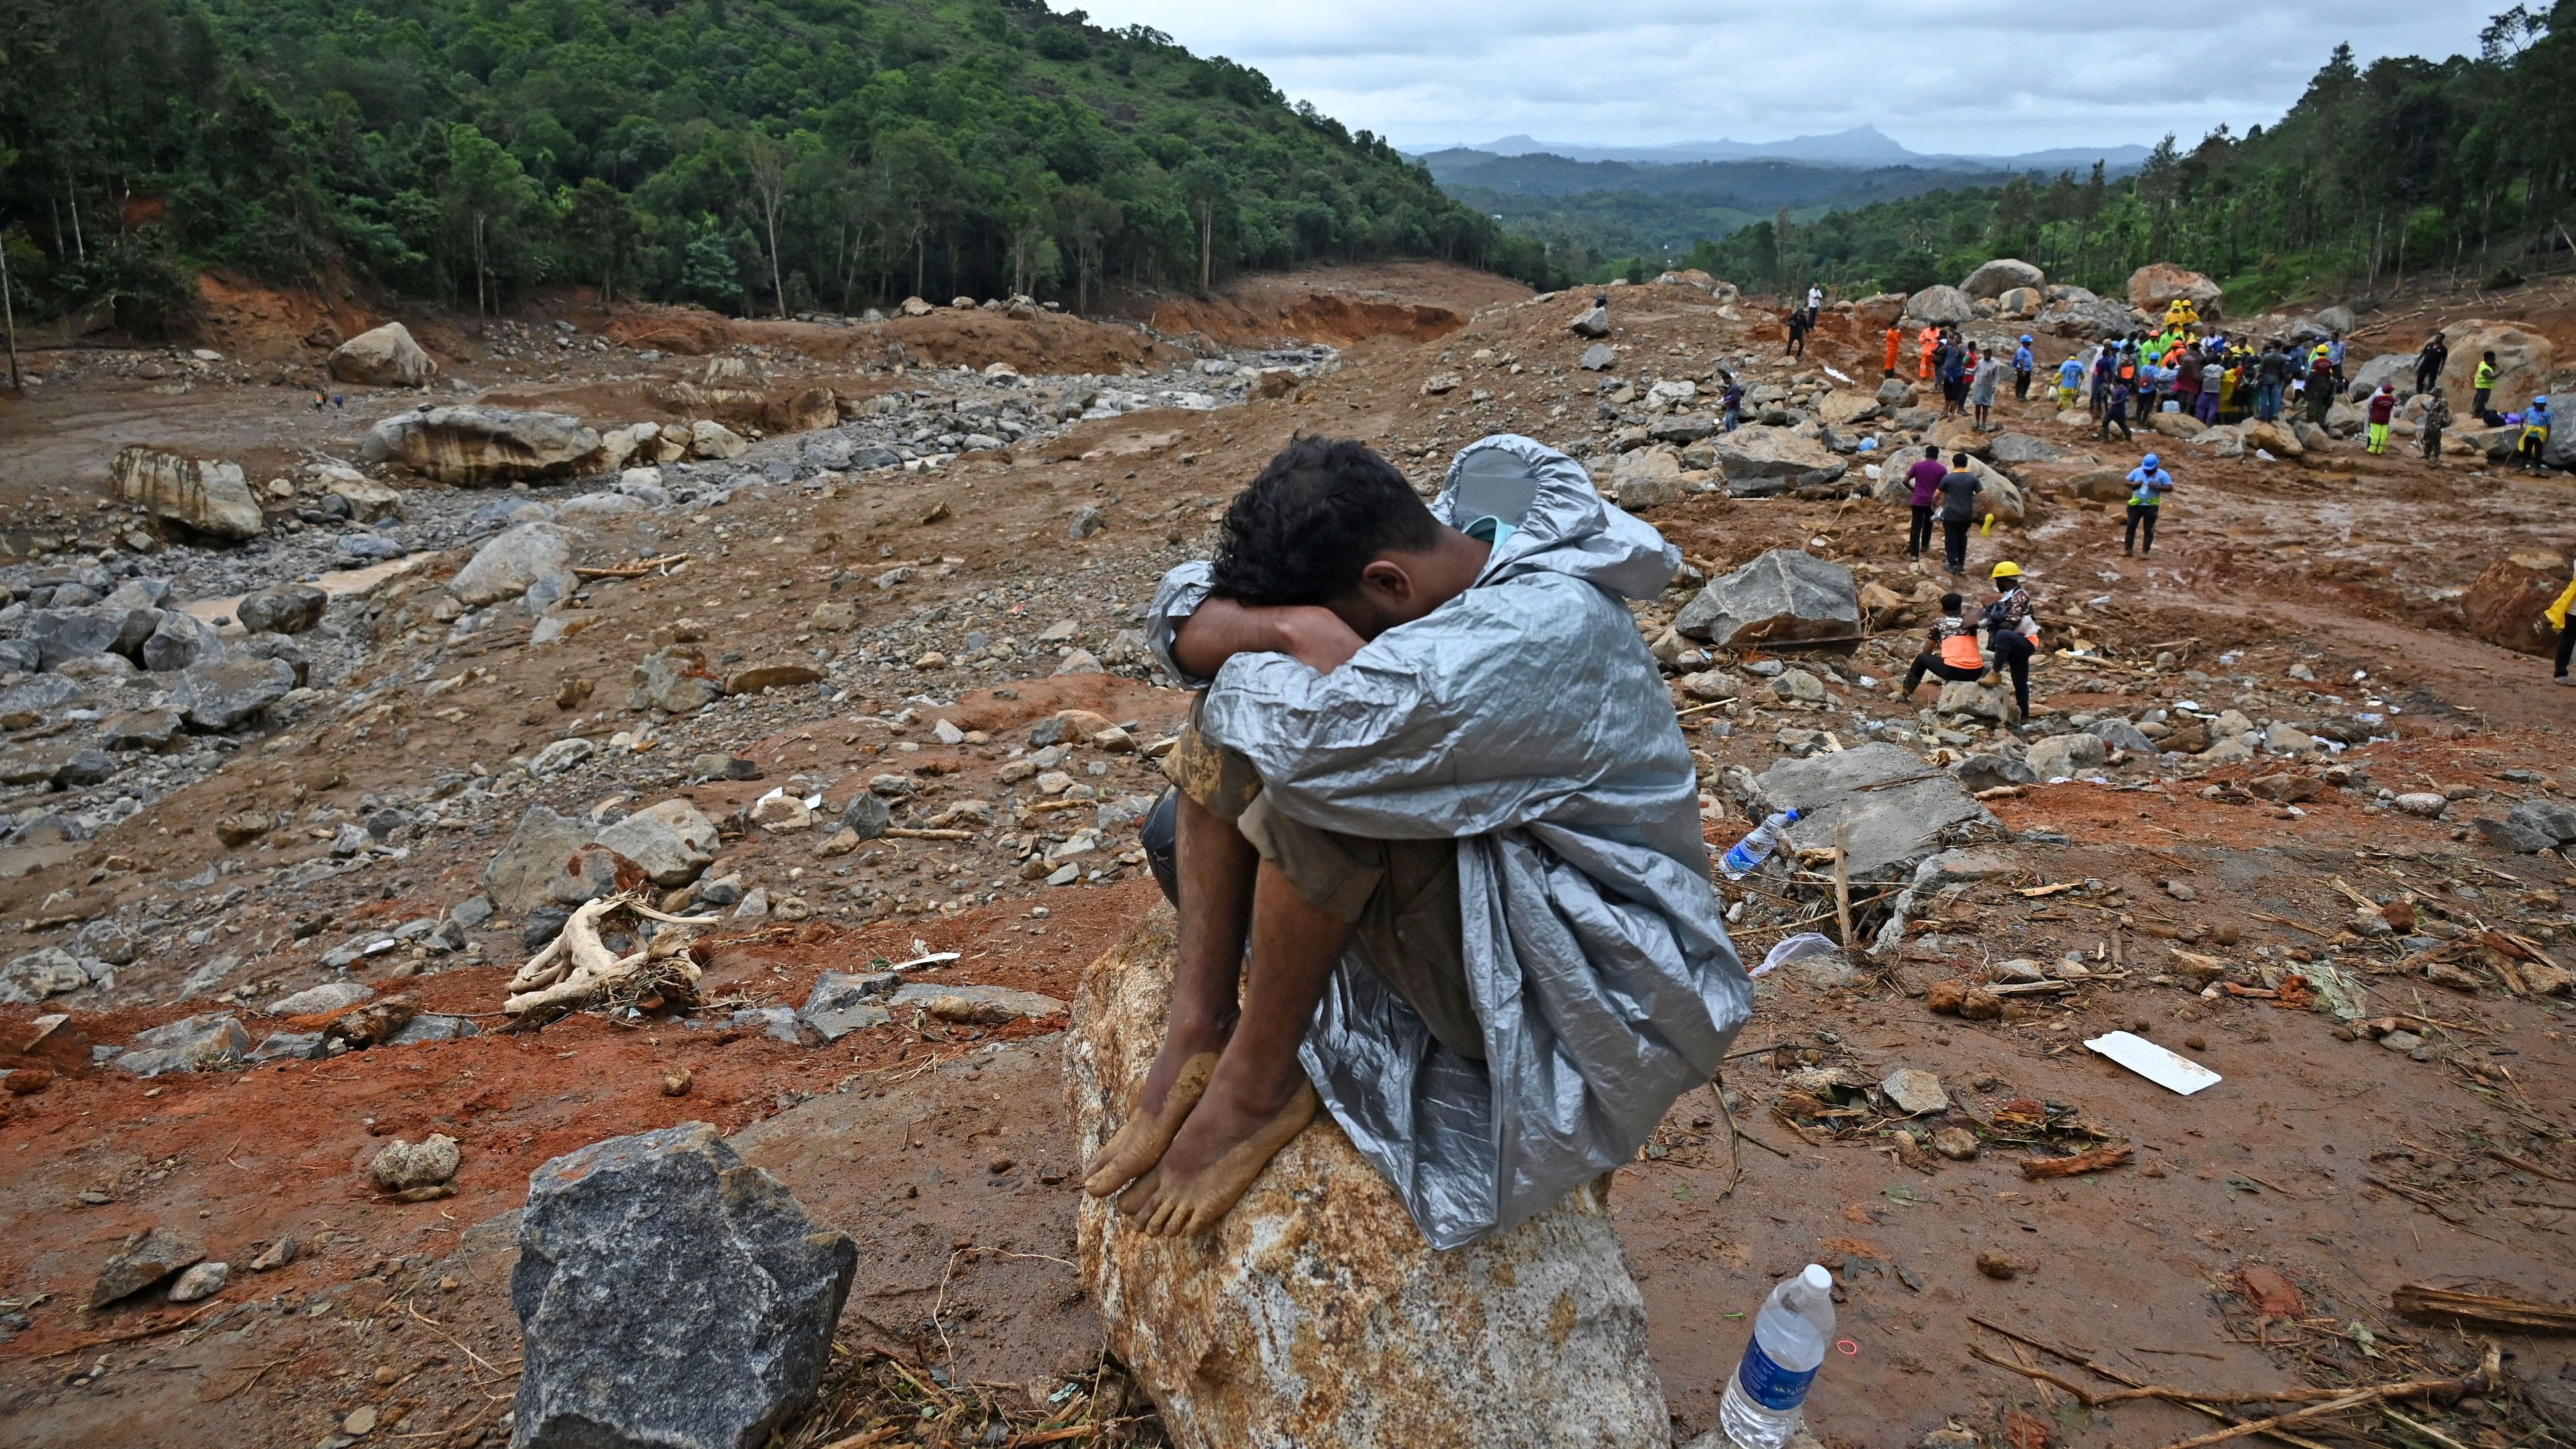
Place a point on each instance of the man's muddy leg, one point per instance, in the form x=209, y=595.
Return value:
x=1215, y=866
x=1259, y=1098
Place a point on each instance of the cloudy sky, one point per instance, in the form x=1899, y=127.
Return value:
x=1985, y=77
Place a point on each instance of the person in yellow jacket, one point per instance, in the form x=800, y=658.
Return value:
x=2181, y=313
x=2556, y=614
x=2481, y=386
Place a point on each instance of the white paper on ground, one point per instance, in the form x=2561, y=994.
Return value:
x=1796, y=948
x=2165, y=1069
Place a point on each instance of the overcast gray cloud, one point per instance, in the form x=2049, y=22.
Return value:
x=1969, y=76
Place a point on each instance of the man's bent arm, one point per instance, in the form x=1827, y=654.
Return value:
x=1221, y=628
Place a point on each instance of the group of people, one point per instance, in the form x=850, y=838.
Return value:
x=1969, y=378
x=1951, y=651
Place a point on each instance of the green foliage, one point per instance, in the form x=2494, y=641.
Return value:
x=753, y=154
x=2406, y=166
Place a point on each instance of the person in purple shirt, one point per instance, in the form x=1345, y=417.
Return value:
x=1925, y=475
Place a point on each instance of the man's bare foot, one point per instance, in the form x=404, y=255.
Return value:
x=1172, y=1087
x=1214, y=1161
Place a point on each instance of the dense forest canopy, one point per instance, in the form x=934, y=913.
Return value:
x=2404, y=166
x=752, y=155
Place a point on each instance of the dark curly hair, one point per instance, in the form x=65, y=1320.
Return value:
x=1314, y=518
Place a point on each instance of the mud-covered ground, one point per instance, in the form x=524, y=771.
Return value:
x=2252, y=1237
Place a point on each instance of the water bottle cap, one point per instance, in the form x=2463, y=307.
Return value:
x=1795, y=814
x=1817, y=1278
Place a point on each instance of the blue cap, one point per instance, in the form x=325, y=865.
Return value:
x=2149, y=461
x=2025, y=337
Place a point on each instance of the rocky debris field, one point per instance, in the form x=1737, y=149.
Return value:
x=881, y=736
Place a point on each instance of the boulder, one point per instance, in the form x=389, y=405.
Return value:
x=1887, y=827
x=1878, y=311
x=1646, y=478
x=2020, y=448
x=1761, y=461
x=2018, y=302
x=1785, y=596
x=641, y=1254
x=1941, y=306
x=2272, y=438
x=671, y=841
x=2176, y=425
x=2393, y=367
x=802, y=411
x=282, y=609
x=713, y=440
x=2227, y=441
x=2560, y=450
x=2504, y=604
x=473, y=445
x=204, y=494
x=1599, y=357
x=2340, y=319
x=512, y=562
x=1842, y=409
x=2064, y=757
x=522, y=876
x=2119, y=734
x=369, y=501
x=1590, y=322
x=1989, y=772
x=60, y=635
x=190, y=1044
x=221, y=695
x=330, y=996
x=2002, y=275
x=35, y=975
x=156, y=730
x=383, y=357
x=142, y=1260
x=674, y=680
x=1315, y=1313
x=1979, y=701
x=2084, y=316
x=2100, y=485
x=179, y=641
x=2523, y=362
x=2531, y=825
x=842, y=1003
x=2154, y=286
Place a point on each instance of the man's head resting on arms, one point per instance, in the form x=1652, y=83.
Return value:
x=1330, y=524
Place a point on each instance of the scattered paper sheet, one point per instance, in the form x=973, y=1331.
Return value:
x=2165, y=1069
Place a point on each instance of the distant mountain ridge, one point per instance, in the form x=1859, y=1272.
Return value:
x=1862, y=145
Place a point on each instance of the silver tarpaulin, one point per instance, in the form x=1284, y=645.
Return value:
x=1525, y=720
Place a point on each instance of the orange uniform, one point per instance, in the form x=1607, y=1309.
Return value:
x=1931, y=339
x=1895, y=341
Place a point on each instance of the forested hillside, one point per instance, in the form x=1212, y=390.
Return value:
x=752, y=155
x=2403, y=166
x=1586, y=211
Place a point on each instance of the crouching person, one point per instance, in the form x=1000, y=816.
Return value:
x=1435, y=785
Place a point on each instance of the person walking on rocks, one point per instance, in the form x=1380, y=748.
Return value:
x=1731, y=400
x=2012, y=633
x=1930, y=341
x=1895, y=345
x=1357, y=765
x=1797, y=333
x=2148, y=485
x=1959, y=490
x=2382, y=409
x=2428, y=363
x=1950, y=650
x=1956, y=368
x=1990, y=376
x=2437, y=416
x=2481, y=388
x=2023, y=362
x=2321, y=388
x=2115, y=411
x=1815, y=301
x=1924, y=490
x=2070, y=383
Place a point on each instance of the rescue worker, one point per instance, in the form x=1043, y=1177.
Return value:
x=1929, y=339
x=2023, y=361
x=1950, y=650
x=2534, y=438
x=2070, y=383
x=2012, y=634
x=2437, y=416
x=1895, y=344
x=2481, y=387
x=2382, y=410
x=2148, y=485
x=2428, y=363
x=2556, y=616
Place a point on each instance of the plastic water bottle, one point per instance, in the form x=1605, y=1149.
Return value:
x=1761, y=1407
x=1747, y=855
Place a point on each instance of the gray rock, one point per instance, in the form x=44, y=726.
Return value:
x=2119, y=734
x=62, y=634
x=82, y=768
x=1987, y=772
x=430, y=1026
x=481, y=445
x=1590, y=322
x=283, y=609
x=778, y=1023
x=364, y=547
x=35, y=975
x=1785, y=596
x=279, y=648
x=516, y=558
x=156, y=730
x=1087, y=520
x=404, y=1165
x=17, y=656
x=1599, y=357
x=523, y=875
x=222, y=695
x=1760, y=461
x=470, y=913
x=384, y=356
x=2023, y=448
x=1946, y=306
x=288, y=1046
x=842, y=1003
x=642, y=1253
x=984, y=1005
x=190, y=1044
x=1887, y=827
x=28, y=701
x=1915, y=1091
x=716, y=765
x=202, y=1281
x=1997, y=277
x=675, y=681
x=144, y=1259
x=2063, y=757
x=671, y=841
x=204, y=494
x=179, y=641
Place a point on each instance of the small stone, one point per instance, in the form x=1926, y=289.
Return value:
x=275, y=1255
x=1997, y=1266
x=402, y=1165
x=675, y=1082
x=2401, y=1041
x=146, y=1259
x=361, y=1421
x=205, y=1280
x=2181, y=890
x=1956, y=1143
x=1915, y=1091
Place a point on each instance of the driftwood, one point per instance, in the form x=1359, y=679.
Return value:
x=577, y=968
x=2518, y=1315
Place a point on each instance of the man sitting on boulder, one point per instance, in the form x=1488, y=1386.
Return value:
x=1436, y=785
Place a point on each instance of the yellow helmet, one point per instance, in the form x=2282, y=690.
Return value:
x=2006, y=570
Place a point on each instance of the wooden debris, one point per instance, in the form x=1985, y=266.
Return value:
x=577, y=968
x=635, y=570
x=2451, y=1305
x=2100, y=1159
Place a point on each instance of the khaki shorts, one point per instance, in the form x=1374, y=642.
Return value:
x=1400, y=896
